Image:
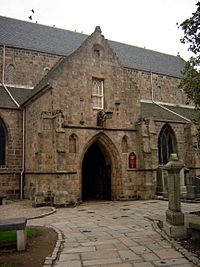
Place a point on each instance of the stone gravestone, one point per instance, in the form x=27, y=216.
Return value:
x=174, y=224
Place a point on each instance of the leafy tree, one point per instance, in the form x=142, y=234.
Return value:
x=190, y=81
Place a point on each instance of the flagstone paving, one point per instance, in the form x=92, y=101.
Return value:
x=114, y=234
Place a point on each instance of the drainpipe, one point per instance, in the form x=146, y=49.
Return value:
x=23, y=127
x=3, y=78
x=161, y=106
x=23, y=154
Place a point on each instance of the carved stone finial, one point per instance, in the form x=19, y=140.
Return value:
x=98, y=29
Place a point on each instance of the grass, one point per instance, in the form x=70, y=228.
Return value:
x=11, y=236
x=6, y=265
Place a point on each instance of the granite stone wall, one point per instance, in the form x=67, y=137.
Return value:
x=28, y=66
x=10, y=172
x=61, y=122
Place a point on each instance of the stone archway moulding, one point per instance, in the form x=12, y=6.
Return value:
x=112, y=157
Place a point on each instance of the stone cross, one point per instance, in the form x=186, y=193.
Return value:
x=174, y=224
x=174, y=215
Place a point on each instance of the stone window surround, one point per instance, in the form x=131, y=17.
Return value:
x=166, y=143
x=10, y=72
x=98, y=93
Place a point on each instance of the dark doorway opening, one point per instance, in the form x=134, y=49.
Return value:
x=96, y=175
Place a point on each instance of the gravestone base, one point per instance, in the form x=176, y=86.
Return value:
x=175, y=231
x=175, y=217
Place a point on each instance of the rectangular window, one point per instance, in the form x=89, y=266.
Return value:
x=97, y=93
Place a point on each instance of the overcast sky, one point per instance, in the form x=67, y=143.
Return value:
x=143, y=23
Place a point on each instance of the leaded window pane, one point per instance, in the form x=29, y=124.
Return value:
x=97, y=93
x=11, y=69
x=166, y=144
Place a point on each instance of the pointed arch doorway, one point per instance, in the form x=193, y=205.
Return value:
x=96, y=174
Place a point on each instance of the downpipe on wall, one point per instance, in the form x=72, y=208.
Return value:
x=23, y=154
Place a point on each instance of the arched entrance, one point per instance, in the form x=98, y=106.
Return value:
x=96, y=174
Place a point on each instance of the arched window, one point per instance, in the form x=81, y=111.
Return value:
x=158, y=94
x=11, y=70
x=125, y=144
x=180, y=96
x=73, y=144
x=2, y=145
x=166, y=144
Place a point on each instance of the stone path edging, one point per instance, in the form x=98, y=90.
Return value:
x=53, y=210
x=48, y=262
x=177, y=246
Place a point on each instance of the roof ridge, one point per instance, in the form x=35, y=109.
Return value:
x=43, y=25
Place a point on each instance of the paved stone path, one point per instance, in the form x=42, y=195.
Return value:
x=114, y=234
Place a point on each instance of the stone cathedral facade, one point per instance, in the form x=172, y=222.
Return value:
x=82, y=117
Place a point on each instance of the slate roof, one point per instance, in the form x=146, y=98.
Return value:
x=19, y=94
x=5, y=100
x=151, y=110
x=42, y=38
x=145, y=59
